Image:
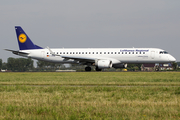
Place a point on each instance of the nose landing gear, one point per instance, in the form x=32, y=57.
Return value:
x=156, y=68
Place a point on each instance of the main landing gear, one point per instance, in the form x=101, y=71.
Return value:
x=87, y=68
x=97, y=69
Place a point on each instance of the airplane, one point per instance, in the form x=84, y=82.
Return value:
x=100, y=57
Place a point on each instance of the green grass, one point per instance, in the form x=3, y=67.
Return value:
x=94, y=78
x=95, y=95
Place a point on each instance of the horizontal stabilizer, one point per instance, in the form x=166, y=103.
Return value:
x=17, y=52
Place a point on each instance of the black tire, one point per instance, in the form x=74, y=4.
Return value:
x=156, y=69
x=87, y=68
x=97, y=69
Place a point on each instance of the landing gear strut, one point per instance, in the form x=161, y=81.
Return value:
x=87, y=68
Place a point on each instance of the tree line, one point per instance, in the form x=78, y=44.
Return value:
x=17, y=64
x=27, y=64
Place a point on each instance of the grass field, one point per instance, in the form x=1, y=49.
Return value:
x=90, y=95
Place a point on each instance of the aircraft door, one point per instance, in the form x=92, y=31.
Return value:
x=152, y=54
x=42, y=54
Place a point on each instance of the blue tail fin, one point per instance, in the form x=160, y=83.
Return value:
x=24, y=41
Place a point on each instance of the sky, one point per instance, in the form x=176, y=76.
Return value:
x=91, y=24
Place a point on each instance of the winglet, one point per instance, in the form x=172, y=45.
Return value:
x=52, y=52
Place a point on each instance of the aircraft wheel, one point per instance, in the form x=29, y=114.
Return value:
x=97, y=69
x=87, y=68
x=157, y=69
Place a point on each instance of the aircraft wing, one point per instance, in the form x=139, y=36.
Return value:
x=17, y=52
x=91, y=59
x=84, y=59
x=79, y=58
x=72, y=57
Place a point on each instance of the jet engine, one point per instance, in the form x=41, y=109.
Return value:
x=122, y=65
x=103, y=64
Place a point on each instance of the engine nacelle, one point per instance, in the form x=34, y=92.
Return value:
x=122, y=65
x=103, y=64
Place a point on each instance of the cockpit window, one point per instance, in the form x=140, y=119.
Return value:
x=163, y=52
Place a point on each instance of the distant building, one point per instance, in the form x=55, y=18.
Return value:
x=167, y=66
x=178, y=63
x=3, y=70
x=157, y=67
x=147, y=67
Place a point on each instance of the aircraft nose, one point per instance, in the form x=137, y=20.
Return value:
x=172, y=59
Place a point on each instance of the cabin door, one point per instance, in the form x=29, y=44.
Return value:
x=42, y=54
x=152, y=54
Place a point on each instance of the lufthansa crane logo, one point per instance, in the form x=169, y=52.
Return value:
x=22, y=38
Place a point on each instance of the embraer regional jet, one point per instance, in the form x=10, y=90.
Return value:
x=99, y=57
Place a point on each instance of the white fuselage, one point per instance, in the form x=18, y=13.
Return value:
x=116, y=55
x=102, y=58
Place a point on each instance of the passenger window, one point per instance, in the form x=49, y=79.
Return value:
x=104, y=52
x=139, y=52
x=118, y=52
x=136, y=52
x=82, y=52
x=132, y=52
x=143, y=52
x=76, y=52
x=96, y=52
x=100, y=52
x=129, y=52
x=86, y=52
x=47, y=52
x=114, y=52
x=89, y=52
x=63, y=52
x=79, y=52
x=108, y=52
x=125, y=52
x=111, y=52
x=122, y=53
x=67, y=52
x=92, y=52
